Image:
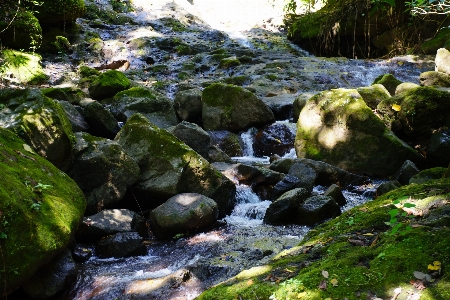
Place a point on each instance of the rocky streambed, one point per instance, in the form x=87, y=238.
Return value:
x=178, y=54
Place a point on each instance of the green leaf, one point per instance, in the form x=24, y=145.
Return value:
x=404, y=214
x=393, y=212
x=409, y=205
x=3, y=236
x=393, y=221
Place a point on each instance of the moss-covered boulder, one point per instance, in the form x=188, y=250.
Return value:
x=188, y=105
x=233, y=108
x=388, y=81
x=362, y=256
x=70, y=94
x=40, y=209
x=101, y=121
x=373, y=94
x=103, y=170
x=418, y=112
x=433, y=78
x=21, y=67
x=157, y=108
x=427, y=175
x=56, y=11
x=41, y=122
x=108, y=84
x=337, y=127
x=169, y=167
x=183, y=213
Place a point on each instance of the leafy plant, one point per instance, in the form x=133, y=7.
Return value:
x=398, y=217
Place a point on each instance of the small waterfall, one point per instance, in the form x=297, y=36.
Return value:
x=249, y=209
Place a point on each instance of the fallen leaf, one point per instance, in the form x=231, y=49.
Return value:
x=250, y=282
x=27, y=148
x=323, y=285
x=325, y=274
x=400, y=63
x=334, y=282
x=368, y=234
x=396, y=107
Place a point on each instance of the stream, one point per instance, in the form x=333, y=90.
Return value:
x=182, y=268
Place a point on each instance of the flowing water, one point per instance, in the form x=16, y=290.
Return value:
x=182, y=268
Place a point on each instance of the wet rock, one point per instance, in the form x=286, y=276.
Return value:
x=387, y=186
x=122, y=244
x=274, y=139
x=33, y=191
x=101, y=122
x=281, y=105
x=337, y=127
x=326, y=173
x=188, y=105
x=432, y=78
x=407, y=170
x=317, y=209
x=217, y=155
x=305, y=174
x=289, y=182
x=442, y=61
x=427, y=175
x=169, y=167
x=102, y=170
x=423, y=110
x=373, y=94
x=183, y=213
x=40, y=122
x=438, y=149
x=53, y=278
x=108, y=84
x=104, y=223
x=284, y=209
x=335, y=192
x=405, y=86
x=140, y=225
x=260, y=179
x=228, y=142
x=157, y=108
x=193, y=136
x=81, y=254
x=71, y=94
x=75, y=118
x=388, y=81
x=230, y=107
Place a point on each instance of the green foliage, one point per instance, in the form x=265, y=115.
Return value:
x=398, y=217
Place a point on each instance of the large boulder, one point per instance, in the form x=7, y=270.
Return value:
x=442, y=61
x=103, y=170
x=75, y=118
x=337, y=127
x=317, y=209
x=20, y=67
x=284, y=209
x=169, y=167
x=158, y=109
x=228, y=142
x=101, y=122
x=276, y=138
x=183, y=213
x=374, y=94
x=53, y=278
x=193, y=136
x=39, y=121
x=41, y=208
x=108, y=84
x=188, y=105
x=122, y=244
x=388, y=81
x=438, y=149
x=233, y=108
x=417, y=113
x=433, y=78
x=104, y=223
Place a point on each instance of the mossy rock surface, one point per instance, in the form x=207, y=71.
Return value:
x=388, y=81
x=40, y=209
x=233, y=108
x=41, y=122
x=108, y=84
x=337, y=127
x=360, y=254
x=169, y=167
x=22, y=67
x=70, y=94
x=421, y=111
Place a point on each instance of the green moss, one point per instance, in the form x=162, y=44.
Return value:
x=183, y=75
x=237, y=80
x=53, y=11
x=22, y=67
x=183, y=49
x=174, y=24
x=136, y=92
x=108, y=84
x=272, y=76
x=86, y=71
x=229, y=62
x=385, y=262
x=32, y=236
x=388, y=81
x=109, y=16
x=70, y=94
x=24, y=33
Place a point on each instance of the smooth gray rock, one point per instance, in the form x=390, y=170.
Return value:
x=305, y=174
x=75, y=118
x=182, y=213
x=193, y=136
x=284, y=209
x=101, y=122
x=335, y=192
x=387, y=186
x=317, y=209
x=188, y=105
x=438, y=149
x=407, y=170
x=122, y=244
